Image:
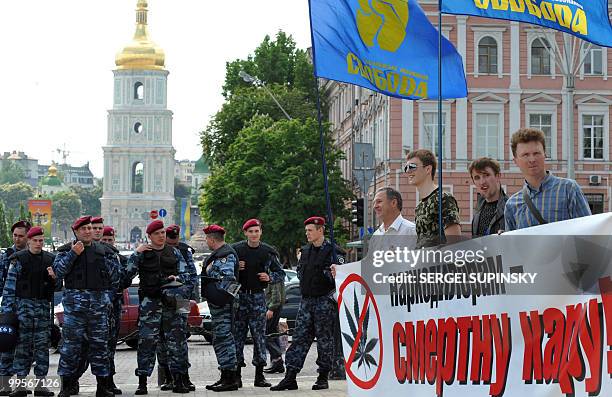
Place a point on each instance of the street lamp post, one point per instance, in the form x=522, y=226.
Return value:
x=254, y=80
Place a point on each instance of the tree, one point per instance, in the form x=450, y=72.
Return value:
x=5, y=238
x=273, y=172
x=11, y=172
x=66, y=208
x=287, y=73
x=90, y=198
x=15, y=194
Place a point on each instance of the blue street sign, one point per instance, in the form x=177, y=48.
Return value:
x=361, y=232
x=163, y=213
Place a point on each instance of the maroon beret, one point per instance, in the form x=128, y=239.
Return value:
x=27, y=225
x=173, y=231
x=251, y=223
x=97, y=219
x=35, y=231
x=155, y=226
x=315, y=220
x=84, y=220
x=108, y=231
x=214, y=229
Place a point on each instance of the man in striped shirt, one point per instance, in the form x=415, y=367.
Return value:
x=556, y=198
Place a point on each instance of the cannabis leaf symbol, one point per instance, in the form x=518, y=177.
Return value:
x=362, y=355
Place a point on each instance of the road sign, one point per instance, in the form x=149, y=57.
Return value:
x=153, y=214
x=163, y=213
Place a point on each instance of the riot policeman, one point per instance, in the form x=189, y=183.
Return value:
x=27, y=292
x=19, y=232
x=90, y=271
x=172, y=239
x=160, y=267
x=218, y=279
x=258, y=265
x=108, y=237
x=317, y=308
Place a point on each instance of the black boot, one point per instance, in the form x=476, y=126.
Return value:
x=239, y=376
x=142, y=385
x=228, y=381
x=66, y=387
x=260, y=379
x=321, y=382
x=74, y=388
x=276, y=367
x=179, y=384
x=102, y=390
x=217, y=383
x=187, y=382
x=113, y=387
x=40, y=389
x=288, y=382
x=168, y=380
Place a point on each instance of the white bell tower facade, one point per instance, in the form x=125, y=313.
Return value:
x=138, y=156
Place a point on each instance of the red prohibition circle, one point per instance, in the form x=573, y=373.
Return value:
x=352, y=278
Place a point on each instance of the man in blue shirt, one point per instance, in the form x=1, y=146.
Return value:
x=556, y=199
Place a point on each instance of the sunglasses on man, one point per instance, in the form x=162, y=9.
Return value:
x=411, y=167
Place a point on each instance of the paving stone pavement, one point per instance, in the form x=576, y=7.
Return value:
x=204, y=371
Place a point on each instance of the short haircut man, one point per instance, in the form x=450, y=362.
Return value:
x=554, y=198
x=387, y=206
x=489, y=215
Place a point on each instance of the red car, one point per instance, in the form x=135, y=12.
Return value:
x=128, y=332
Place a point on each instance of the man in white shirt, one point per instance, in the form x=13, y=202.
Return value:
x=388, y=207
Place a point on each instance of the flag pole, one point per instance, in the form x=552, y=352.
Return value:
x=330, y=218
x=441, y=234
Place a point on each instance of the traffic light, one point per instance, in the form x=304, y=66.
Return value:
x=357, y=212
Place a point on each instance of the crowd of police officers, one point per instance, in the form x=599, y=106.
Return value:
x=234, y=280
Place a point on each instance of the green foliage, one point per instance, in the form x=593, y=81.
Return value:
x=15, y=194
x=66, y=208
x=273, y=172
x=90, y=199
x=5, y=238
x=11, y=172
x=286, y=72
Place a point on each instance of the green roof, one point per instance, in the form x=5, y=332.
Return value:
x=201, y=166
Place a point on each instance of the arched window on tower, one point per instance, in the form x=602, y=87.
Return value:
x=137, y=177
x=487, y=55
x=138, y=91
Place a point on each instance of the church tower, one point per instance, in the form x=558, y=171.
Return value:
x=138, y=156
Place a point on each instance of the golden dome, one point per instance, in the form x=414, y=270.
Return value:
x=52, y=170
x=141, y=53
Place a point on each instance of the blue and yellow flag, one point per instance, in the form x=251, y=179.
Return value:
x=587, y=19
x=387, y=46
x=185, y=219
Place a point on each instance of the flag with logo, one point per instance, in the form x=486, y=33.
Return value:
x=587, y=19
x=185, y=218
x=387, y=46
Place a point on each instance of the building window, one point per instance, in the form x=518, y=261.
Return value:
x=540, y=57
x=486, y=138
x=138, y=91
x=137, y=177
x=593, y=61
x=592, y=136
x=430, y=131
x=596, y=202
x=487, y=55
x=543, y=122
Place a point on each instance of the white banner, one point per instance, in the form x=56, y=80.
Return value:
x=447, y=339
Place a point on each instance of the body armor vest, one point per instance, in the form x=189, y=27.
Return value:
x=155, y=267
x=34, y=281
x=89, y=270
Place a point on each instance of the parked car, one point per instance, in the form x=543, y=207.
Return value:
x=128, y=331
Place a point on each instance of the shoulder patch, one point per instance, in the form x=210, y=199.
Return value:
x=341, y=260
x=223, y=260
